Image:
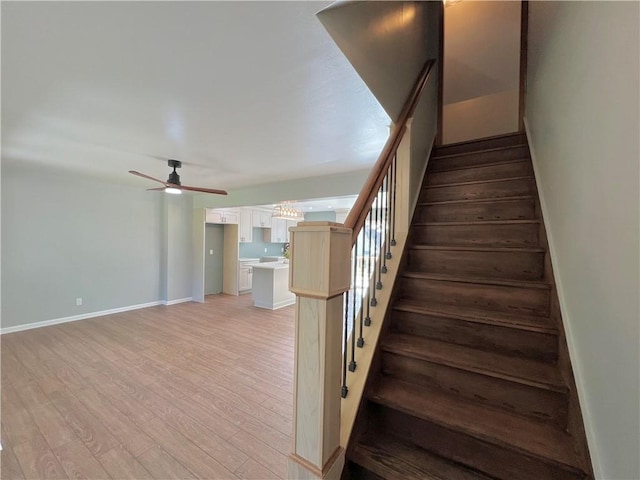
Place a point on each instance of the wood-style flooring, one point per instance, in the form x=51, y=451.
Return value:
x=185, y=391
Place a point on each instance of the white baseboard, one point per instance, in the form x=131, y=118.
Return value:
x=74, y=318
x=177, y=300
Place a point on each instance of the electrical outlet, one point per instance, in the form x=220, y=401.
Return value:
x=78, y=301
x=265, y=249
x=211, y=252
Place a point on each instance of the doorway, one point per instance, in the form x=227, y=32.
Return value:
x=213, y=248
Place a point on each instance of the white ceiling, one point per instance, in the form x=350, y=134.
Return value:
x=243, y=93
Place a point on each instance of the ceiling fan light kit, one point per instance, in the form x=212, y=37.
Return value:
x=173, y=185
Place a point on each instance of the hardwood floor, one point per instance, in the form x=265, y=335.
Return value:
x=186, y=391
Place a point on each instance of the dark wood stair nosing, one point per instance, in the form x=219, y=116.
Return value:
x=483, y=139
x=482, y=165
x=476, y=182
x=514, y=198
x=389, y=346
x=477, y=152
x=476, y=280
x=477, y=222
x=465, y=248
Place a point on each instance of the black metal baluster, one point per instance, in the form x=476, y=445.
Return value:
x=387, y=232
x=394, y=166
x=345, y=333
x=374, y=283
x=360, y=338
x=367, y=321
x=352, y=363
x=387, y=227
x=380, y=237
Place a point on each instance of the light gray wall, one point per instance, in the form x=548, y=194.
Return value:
x=65, y=237
x=320, y=216
x=582, y=115
x=425, y=120
x=386, y=42
x=178, y=239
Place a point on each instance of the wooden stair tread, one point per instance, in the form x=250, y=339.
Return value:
x=476, y=182
x=495, y=426
x=477, y=280
x=477, y=200
x=392, y=459
x=463, y=248
x=476, y=152
x=522, y=322
x=477, y=222
x=514, y=369
x=483, y=165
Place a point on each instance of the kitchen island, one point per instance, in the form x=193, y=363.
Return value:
x=271, y=285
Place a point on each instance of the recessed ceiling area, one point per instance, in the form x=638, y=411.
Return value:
x=328, y=204
x=243, y=93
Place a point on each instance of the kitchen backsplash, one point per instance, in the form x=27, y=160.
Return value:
x=256, y=248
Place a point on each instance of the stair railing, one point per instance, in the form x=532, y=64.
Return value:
x=372, y=221
x=340, y=275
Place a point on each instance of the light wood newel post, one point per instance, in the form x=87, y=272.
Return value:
x=319, y=275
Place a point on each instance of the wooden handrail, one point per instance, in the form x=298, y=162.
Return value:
x=358, y=214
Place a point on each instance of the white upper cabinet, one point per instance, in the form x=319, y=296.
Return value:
x=245, y=232
x=222, y=215
x=278, y=231
x=261, y=219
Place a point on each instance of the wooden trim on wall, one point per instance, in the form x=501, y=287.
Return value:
x=439, y=133
x=524, y=31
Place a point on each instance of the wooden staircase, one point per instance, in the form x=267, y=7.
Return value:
x=468, y=383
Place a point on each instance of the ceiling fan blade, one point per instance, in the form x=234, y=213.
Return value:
x=198, y=189
x=133, y=172
x=160, y=189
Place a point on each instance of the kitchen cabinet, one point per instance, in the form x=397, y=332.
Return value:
x=216, y=215
x=261, y=219
x=245, y=277
x=278, y=231
x=271, y=286
x=245, y=230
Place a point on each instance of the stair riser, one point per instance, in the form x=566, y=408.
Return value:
x=497, y=142
x=506, y=265
x=489, y=298
x=526, y=400
x=479, y=158
x=502, y=235
x=495, y=460
x=469, y=212
x=480, y=172
x=501, y=189
x=534, y=345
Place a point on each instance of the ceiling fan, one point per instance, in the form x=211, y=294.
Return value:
x=173, y=185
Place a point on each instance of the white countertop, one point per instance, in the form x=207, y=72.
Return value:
x=271, y=265
x=246, y=259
